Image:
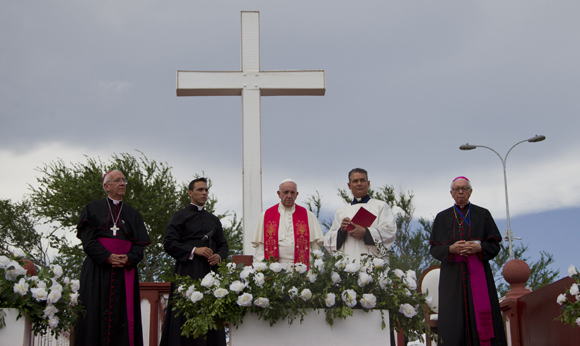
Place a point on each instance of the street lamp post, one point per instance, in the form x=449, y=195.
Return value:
x=503, y=162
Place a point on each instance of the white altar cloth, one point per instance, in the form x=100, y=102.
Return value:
x=360, y=329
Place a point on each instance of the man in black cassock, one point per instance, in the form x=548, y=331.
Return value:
x=113, y=236
x=195, y=238
x=465, y=238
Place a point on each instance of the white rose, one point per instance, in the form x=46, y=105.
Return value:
x=561, y=299
x=341, y=264
x=21, y=287
x=54, y=296
x=385, y=282
x=262, y=302
x=208, y=280
x=300, y=268
x=352, y=268
x=237, y=286
x=53, y=322
x=14, y=270
x=66, y=281
x=574, y=289
x=364, y=279
x=57, y=270
x=276, y=267
x=411, y=284
x=231, y=267
x=378, y=262
x=259, y=279
x=306, y=294
x=49, y=311
x=311, y=276
x=368, y=301
x=317, y=254
x=246, y=273
x=18, y=253
x=349, y=298
x=260, y=266
x=335, y=277
x=399, y=273
x=74, y=299
x=408, y=310
x=578, y=321
x=330, y=300
x=39, y=293
x=411, y=275
x=4, y=262
x=75, y=285
x=40, y=284
x=319, y=264
x=245, y=300
x=196, y=296
x=572, y=270
x=56, y=286
x=293, y=292
x=189, y=291
x=220, y=293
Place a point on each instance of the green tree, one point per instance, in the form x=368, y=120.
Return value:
x=63, y=191
x=17, y=230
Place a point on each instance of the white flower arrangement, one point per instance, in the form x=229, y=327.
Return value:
x=48, y=300
x=274, y=292
x=570, y=307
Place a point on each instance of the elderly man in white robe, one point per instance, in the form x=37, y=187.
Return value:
x=287, y=232
x=354, y=239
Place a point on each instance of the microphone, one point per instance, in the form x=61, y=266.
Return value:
x=208, y=235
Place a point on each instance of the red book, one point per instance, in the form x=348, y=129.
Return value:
x=362, y=218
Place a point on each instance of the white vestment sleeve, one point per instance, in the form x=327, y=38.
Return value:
x=330, y=237
x=384, y=228
x=258, y=241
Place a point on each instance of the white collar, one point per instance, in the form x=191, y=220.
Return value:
x=198, y=207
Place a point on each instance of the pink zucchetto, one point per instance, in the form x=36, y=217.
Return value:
x=461, y=177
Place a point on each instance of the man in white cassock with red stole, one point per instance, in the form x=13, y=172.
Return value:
x=354, y=239
x=287, y=232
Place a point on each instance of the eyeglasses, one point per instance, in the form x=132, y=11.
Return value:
x=464, y=189
x=118, y=181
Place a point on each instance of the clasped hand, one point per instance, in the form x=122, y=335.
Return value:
x=357, y=233
x=212, y=258
x=117, y=261
x=465, y=248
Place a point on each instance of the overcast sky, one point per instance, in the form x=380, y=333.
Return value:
x=407, y=82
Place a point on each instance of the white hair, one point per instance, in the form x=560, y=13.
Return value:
x=467, y=180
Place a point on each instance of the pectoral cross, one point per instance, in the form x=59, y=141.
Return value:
x=115, y=229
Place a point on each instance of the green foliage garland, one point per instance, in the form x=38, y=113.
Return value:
x=275, y=292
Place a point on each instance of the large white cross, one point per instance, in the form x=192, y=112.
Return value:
x=251, y=84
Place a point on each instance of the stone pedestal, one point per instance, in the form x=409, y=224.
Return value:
x=360, y=329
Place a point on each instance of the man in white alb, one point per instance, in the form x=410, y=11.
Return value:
x=361, y=240
x=287, y=232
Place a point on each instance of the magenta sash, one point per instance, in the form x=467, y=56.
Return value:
x=481, y=304
x=121, y=247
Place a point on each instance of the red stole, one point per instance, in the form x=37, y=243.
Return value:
x=122, y=247
x=301, y=234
